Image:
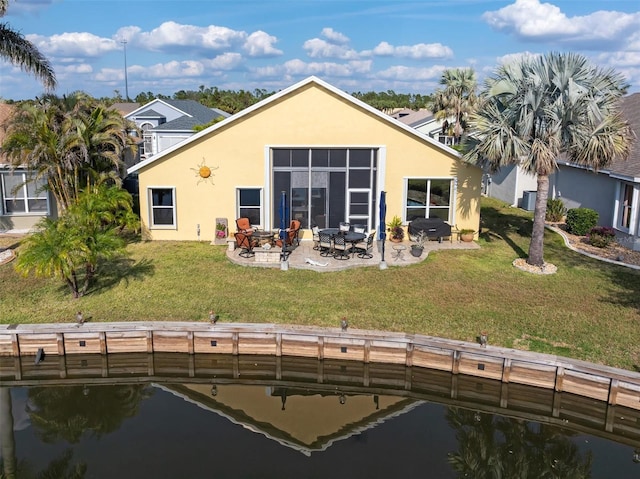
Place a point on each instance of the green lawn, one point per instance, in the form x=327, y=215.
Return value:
x=588, y=310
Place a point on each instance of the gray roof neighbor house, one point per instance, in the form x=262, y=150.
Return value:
x=165, y=123
x=614, y=192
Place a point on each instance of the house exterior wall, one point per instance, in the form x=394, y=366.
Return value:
x=169, y=112
x=164, y=140
x=580, y=188
x=502, y=185
x=308, y=117
x=509, y=184
x=28, y=221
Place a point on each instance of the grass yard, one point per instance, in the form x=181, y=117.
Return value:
x=588, y=310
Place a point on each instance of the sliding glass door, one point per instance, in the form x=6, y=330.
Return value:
x=325, y=186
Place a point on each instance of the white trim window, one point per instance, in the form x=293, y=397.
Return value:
x=162, y=207
x=428, y=198
x=22, y=196
x=627, y=208
x=249, y=205
x=147, y=143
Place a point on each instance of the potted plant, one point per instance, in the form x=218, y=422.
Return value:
x=395, y=229
x=221, y=230
x=466, y=234
x=418, y=246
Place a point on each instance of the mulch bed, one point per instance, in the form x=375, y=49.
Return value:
x=615, y=251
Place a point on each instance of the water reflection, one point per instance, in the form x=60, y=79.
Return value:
x=257, y=417
x=494, y=446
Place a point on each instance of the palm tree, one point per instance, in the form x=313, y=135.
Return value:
x=72, y=246
x=458, y=98
x=17, y=50
x=538, y=108
x=70, y=142
x=38, y=139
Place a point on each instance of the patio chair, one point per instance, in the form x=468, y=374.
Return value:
x=344, y=227
x=246, y=243
x=243, y=225
x=295, y=227
x=358, y=228
x=291, y=236
x=316, y=237
x=363, y=248
x=325, y=244
x=341, y=248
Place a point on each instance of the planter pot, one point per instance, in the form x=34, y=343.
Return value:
x=395, y=240
x=466, y=237
x=417, y=252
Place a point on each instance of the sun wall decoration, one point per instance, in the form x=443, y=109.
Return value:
x=204, y=172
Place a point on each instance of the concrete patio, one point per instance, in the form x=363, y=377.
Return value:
x=305, y=257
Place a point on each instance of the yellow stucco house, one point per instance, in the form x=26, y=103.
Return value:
x=330, y=153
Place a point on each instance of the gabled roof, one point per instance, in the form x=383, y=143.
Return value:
x=193, y=113
x=631, y=166
x=124, y=108
x=314, y=419
x=150, y=113
x=187, y=123
x=416, y=118
x=283, y=93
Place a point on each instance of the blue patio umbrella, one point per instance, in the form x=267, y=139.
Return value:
x=283, y=211
x=382, y=227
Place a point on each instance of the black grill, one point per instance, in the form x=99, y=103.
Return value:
x=434, y=228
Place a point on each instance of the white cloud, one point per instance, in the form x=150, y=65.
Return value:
x=514, y=57
x=620, y=59
x=419, y=51
x=173, y=69
x=261, y=44
x=80, y=69
x=298, y=68
x=412, y=74
x=171, y=36
x=334, y=45
x=535, y=21
x=319, y=48
x=334, y=37
x=110, y=74
x=73, y=45
x=226, y=61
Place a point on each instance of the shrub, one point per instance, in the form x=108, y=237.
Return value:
x=581, y=220
x=601, y=236
x=555, y=210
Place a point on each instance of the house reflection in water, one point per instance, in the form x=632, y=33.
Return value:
x=306, y=420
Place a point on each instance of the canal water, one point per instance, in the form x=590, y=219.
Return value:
x=169, y=415
x=230, y=429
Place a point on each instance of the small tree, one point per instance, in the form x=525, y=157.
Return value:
x=72, y=246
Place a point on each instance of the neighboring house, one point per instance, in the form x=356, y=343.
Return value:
x=331, y=154
x=23, y=204
x=613, y=192
x=165, y=123
x=124, y=108
x=511, y=184
x=425, y=122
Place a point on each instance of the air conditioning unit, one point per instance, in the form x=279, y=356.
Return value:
x=529, y=200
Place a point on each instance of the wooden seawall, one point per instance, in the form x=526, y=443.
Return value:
x=609, y=385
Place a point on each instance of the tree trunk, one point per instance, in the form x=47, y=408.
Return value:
x=6, y=434
x=539, y=214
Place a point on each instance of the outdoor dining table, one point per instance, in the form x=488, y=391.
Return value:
x=349, y=236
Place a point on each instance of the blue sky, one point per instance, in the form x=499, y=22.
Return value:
x=364, y=45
